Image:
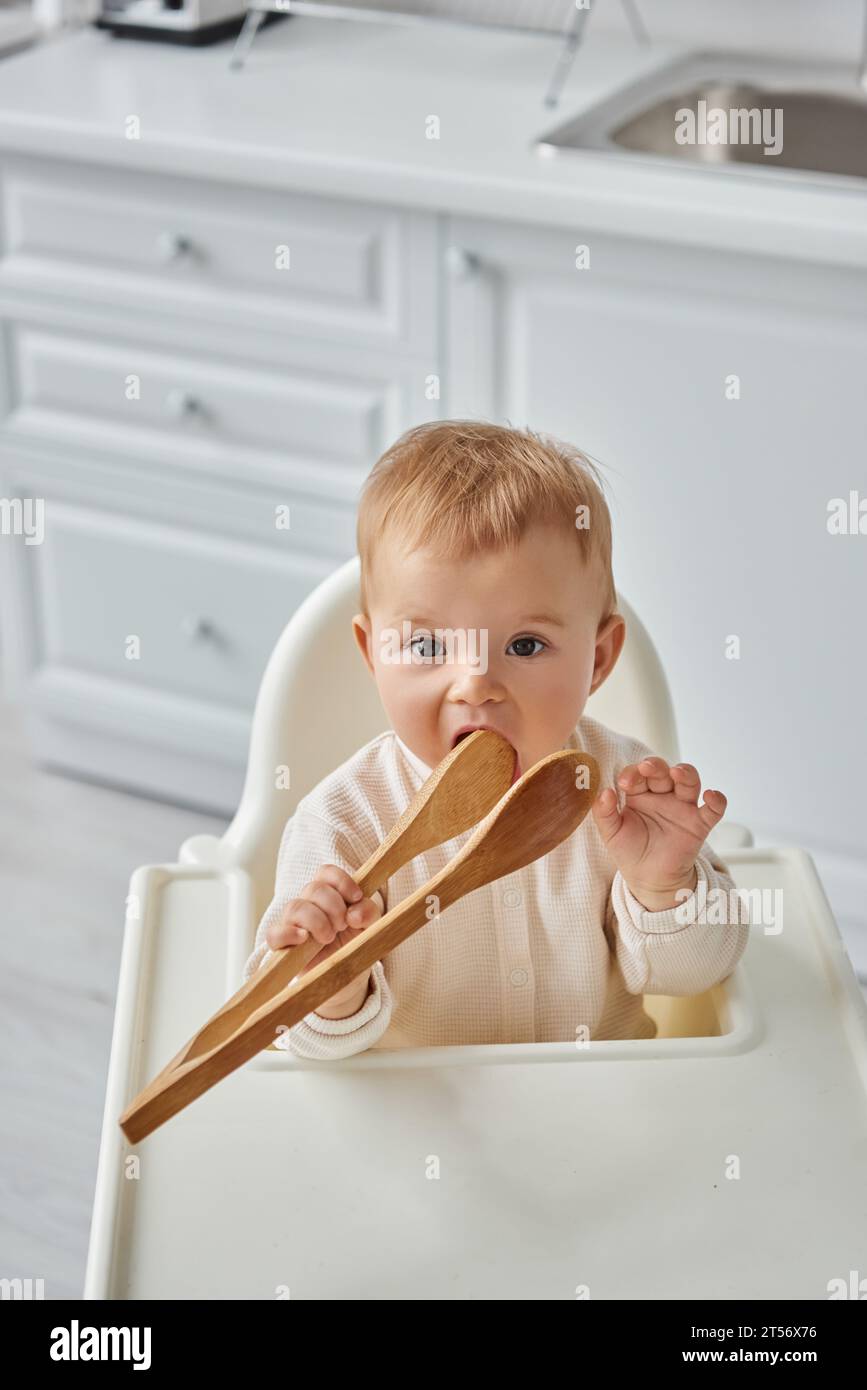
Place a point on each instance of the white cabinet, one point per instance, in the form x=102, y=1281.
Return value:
x=183, y=368
x=136, y=633
x=157, y=244
x=719, y=487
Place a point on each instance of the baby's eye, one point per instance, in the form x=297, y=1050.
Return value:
x=521, y=641
x=424, y=650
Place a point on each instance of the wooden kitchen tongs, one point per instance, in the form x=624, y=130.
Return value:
x=527, y=821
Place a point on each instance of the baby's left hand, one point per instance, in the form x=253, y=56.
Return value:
x=654, y=841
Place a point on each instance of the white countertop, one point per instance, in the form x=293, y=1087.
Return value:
x=338, y=108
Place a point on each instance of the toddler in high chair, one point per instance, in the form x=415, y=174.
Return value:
x=488, y=602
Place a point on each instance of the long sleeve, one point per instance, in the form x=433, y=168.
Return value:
x=308, y=842
x=685, y=949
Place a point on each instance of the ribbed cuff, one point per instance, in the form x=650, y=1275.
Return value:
x=369, y=1009
x=666, y=921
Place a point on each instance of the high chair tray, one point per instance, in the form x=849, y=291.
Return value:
x=518, y=1171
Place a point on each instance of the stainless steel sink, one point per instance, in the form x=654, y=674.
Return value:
x=823, y=123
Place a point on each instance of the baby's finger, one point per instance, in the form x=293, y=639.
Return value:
x=687, y=783
x=606, y=813
x=631, y=780
x=363, y=913
x=712, y=811
x=339, y=879
x=657, y=774
x=284, y=932
x=301, y=920
x=329, y=900
x=651, y=774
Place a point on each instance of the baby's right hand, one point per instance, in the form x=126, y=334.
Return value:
x=331, y=910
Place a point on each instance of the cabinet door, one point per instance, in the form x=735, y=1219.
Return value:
x=138, y=619
x=719, y=488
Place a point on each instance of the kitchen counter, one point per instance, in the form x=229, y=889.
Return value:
x=339, y=108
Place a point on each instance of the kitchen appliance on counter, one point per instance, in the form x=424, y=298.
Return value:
x=175, y=21
x=562, y=19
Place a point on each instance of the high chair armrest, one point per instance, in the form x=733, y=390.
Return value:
x=186, y=936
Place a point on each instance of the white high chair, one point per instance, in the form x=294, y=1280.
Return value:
x=722, y=1159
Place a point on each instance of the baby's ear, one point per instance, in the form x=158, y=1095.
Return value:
x=362, y=631
x=610, y=638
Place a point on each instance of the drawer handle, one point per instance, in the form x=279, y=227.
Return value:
x=173, y=246
x=182, y=404
x=461, y=263
x=196, y=628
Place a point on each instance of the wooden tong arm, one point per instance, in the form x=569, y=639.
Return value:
x=460, y=792
x=236, y=1034
x=534, y=816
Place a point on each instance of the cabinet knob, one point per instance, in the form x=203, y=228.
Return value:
x=197, y=628
x=462, y=263
x=182, y=404
x=173, y=246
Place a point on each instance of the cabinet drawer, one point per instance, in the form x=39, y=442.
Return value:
x=133, y=612
x=65, y=385
x=330, y=267
x=204, y=575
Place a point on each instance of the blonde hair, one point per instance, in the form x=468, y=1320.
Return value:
x=461, y=486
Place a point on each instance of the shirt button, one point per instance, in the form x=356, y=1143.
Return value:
x=519, y=977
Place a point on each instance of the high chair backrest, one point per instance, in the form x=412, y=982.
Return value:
x=318, y=704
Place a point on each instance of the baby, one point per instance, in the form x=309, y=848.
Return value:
x=500, y=539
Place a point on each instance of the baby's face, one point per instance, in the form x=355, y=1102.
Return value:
x=524, y=656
